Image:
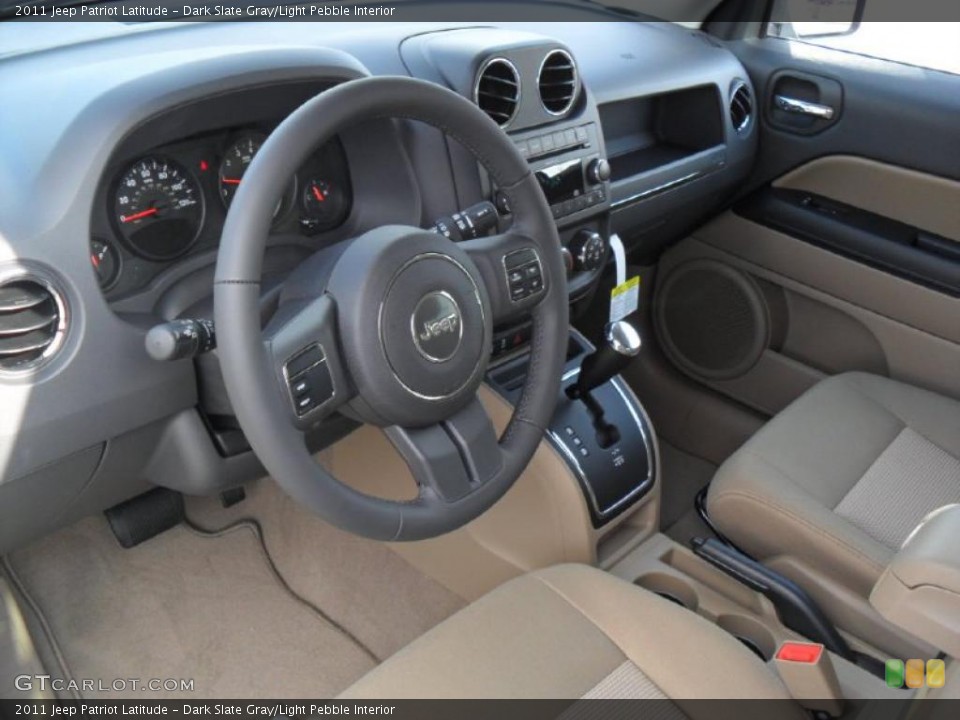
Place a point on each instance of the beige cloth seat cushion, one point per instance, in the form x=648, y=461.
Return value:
x=571, y=632
x=839, y=478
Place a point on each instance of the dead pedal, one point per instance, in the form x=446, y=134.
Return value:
x=145, y=516
x=233, y=496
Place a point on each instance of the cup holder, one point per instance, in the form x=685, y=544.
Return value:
x=670, y=588
x=751, y=633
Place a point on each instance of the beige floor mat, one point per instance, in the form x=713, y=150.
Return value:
x=211, y=609
x=363, y=584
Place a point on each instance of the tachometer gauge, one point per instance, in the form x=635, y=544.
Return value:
x=105, y=262
x=158, y=208
x=234, y=165
x=324, y=204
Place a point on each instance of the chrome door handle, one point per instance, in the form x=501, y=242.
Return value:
x=802, y=107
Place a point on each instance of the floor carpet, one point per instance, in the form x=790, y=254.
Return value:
x=273, y=603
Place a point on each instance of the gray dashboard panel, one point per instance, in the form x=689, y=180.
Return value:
x=103, y=388
x=102, y=384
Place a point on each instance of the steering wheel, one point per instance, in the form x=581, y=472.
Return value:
x=394, y=327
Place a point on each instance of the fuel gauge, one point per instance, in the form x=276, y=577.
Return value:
x=106, y=263
x=324, y=204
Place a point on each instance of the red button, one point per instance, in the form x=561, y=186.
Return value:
x=808, y=653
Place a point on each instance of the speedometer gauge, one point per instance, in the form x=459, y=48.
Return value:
x=158, y=208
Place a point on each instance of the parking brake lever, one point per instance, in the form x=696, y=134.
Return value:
x=796, y=608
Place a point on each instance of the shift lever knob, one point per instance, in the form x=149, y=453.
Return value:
x=621, y=344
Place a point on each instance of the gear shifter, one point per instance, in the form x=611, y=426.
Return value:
x=622, y=343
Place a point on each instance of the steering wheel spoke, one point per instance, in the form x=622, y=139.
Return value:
x=454, y=457
x=513, y=272
x=302, y=345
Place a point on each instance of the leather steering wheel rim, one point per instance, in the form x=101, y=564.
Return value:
x=252, y=360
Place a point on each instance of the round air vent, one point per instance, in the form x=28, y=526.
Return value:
x=711, y=319
x=32, y=323
x=558, y=82
x=741, y=107
x=497, y=91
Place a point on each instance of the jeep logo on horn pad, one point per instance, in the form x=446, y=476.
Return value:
x=437, y=326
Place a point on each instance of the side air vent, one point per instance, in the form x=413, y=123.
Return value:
x=741, y=107
x=32, y=323
x=558, y=82
x=497, y=92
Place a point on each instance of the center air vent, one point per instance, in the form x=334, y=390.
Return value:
x=558, y=82
x=741, y=107
x=498, y=91
x=32, y=323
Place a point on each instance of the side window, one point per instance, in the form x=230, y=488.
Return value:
x=867, y=27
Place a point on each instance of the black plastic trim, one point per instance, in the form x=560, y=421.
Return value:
x=880, y=242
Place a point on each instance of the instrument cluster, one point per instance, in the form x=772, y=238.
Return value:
x=170, y=203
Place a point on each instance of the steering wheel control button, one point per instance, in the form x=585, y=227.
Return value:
x=304, y=360
x=308, y=379
x=437, y=326
x=524, y=274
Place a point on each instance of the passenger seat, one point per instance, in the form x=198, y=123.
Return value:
x=830, y=488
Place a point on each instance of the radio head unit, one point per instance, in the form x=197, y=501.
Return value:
x=562, y=182
x=572, y=185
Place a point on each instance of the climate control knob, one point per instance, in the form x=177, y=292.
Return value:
x=598, y=171
x=588, y=249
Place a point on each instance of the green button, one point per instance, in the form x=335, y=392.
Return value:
x=895, y=673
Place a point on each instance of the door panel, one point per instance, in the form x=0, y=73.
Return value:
x=896, y=114
x=875, y=237
x=834, y=315
x=915, y=198
x=849, y=226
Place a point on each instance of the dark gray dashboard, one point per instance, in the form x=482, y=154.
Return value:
x=100, y=421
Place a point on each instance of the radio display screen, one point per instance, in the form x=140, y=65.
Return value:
x=561, y=182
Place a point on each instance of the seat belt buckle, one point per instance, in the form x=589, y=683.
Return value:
x=807, y=671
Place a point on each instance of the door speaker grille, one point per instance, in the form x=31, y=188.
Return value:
x=711, y=320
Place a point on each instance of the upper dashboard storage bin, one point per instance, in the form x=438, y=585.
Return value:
x=671, y=130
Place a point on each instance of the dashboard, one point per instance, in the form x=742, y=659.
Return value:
x=114, y=194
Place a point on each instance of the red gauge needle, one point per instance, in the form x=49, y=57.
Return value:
x=317, y=194
x=230, y=181
x=137, y=216
x=96, y=261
